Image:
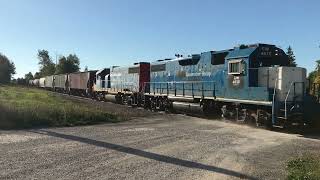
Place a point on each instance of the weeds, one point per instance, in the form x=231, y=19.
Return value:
x=304, y=168
x=23, y=107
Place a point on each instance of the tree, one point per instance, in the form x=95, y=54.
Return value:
x=73, y=63
x=47, y=67
x=317, y=78
x=21, y=81
x=318, y=67
x=68, y=64
x=28, y=76
x=86, y=69
x=292, y=57
x=7, y=69
x=37, y=75
x=243, y=46
x=312, y=76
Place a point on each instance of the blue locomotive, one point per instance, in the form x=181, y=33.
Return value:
x=251, y=83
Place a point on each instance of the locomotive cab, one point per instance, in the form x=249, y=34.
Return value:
x=270, y=67
x=100, y=81
x=260, y=74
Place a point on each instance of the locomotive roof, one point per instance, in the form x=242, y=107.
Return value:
x=101, y=70
x=239, y=52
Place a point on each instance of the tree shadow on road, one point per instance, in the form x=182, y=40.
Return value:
x=145, y=154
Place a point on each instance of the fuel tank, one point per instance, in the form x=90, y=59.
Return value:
x=187, y=107
x=111, y=98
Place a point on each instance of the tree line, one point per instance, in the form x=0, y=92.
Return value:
x=71, y=63
x=66, y=64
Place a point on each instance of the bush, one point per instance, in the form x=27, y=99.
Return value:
x=306, y=168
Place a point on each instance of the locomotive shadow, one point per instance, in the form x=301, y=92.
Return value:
x=145, y=154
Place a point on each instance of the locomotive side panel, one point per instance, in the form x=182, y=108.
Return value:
x=284, y=79
x=198, y=76
x=131, y=79
x=124, y=79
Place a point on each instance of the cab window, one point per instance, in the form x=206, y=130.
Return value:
x=235, y=67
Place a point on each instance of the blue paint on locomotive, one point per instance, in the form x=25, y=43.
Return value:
x=202, y=75
x=243, y=90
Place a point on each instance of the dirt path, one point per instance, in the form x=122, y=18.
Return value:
x=158, y=147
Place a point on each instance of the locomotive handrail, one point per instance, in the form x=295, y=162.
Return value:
x=173, y=87
x=179, y=82
x=286, y=99
x=120, y=86
x=273, y=101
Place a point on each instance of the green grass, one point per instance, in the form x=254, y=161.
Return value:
x=23, y=107
x=304, y=168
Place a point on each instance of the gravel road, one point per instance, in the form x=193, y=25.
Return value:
x=163, y=146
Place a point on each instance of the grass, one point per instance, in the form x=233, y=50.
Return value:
x=23, y=107
x=304, y=168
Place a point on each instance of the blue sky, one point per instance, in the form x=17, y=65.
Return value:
x=119, y=32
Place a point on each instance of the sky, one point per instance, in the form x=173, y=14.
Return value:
x=104, y=33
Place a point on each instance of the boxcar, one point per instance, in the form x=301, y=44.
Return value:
x=81, y=83
x=60, y=82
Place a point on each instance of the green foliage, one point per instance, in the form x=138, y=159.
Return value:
x=21, y=81
x=304, y=168
x=47, y=67
x=23, y=107
x=318, y=67
x=36, y=75
x=291, y=56
x=243, y=46
x=7, y=69
x=28, y=76
x=68, y=64
x=314, y=76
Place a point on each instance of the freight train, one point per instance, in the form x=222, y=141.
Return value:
x=252, y=83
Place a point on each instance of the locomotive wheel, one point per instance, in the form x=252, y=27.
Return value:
x=167, y=106
x=263, y=119
x=147, y=103
x=241, y=115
